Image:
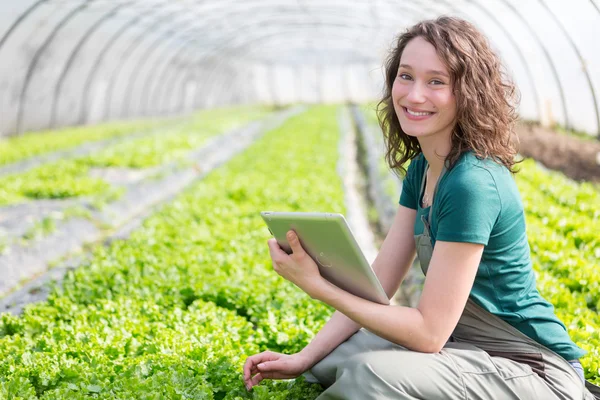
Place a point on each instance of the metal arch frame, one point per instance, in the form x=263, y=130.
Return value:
x=233, y=37
x=178, y=79
x=168, y=66
x=143, y=60
x=99, y=61
x=19, y=20
x=36, y=57
x=183, y=45
x=84, y=38
x=581, y=60
x=140, y=61
x=178, y=76
x=509, y=6
x=165, y=69
x=129, y=52
x=84, y=110
x=546, y=55
x=212, y=80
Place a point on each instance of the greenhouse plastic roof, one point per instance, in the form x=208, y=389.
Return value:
x=68, y=62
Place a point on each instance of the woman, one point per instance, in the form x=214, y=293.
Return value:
x=481, y=330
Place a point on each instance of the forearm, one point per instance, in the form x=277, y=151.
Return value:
x=402, y=325
x=336, y=331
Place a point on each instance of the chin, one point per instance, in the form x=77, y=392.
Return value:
x=411, y=131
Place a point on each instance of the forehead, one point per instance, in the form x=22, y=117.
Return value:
x=421, y=55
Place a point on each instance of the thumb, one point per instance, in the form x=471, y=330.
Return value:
x=267, y=366
x=294, y=243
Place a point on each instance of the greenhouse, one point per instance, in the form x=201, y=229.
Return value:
x=140, y=141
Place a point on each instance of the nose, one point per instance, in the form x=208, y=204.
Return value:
x=416, y=94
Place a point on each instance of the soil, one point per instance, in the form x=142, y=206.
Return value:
x=577, y=158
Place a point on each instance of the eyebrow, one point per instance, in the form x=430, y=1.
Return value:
x=431, y=72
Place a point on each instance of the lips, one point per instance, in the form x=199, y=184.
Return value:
x=416, y=115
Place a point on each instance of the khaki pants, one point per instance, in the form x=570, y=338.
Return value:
x=369, y=367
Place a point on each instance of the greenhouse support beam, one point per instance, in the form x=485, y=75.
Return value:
x=87, y=87
x=70, y=60
x=581, y=60
x=546, y=53
x=36, y=58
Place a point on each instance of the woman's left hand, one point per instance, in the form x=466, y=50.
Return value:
x=298, y=267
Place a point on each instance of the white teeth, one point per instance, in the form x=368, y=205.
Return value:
x=418, y=114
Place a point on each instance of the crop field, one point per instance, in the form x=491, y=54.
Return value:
x=172, y=310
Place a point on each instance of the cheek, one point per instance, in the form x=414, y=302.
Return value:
x=397, y=91
x=447, y=104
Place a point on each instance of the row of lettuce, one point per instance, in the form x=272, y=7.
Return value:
x=71, y=177
x=563, y=221
x=18, y=148
x=172, y=312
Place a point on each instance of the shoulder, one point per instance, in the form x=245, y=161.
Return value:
x=474, y=177
x=471, y=171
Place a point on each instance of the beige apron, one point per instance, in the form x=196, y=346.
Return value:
x=486, y=358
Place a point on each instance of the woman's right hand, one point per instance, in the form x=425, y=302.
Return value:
x=271, y=365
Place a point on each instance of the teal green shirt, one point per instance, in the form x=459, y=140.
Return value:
x=477, y=201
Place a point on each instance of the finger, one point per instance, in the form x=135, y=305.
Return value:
x=271, y=365
x=276, y=375
x=277, y=254
x=264, y=356
x=248, y=366
x=294, y=242
x=256, y=379
x=275, y=266
x=249, y=369
x=252, y=361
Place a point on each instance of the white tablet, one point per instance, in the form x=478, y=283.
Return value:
x=327, y=238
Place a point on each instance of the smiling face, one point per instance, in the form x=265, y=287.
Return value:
x=422, y=92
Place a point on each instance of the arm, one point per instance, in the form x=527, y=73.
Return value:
x=391, y=266
x=426, y=328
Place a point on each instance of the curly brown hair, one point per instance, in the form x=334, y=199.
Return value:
x=485, y=97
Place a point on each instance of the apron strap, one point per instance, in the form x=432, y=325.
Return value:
x=444, y=170
x=594, y=390
x=423, y=179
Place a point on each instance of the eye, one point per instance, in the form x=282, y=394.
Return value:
x=436, y=82
x=404, y=76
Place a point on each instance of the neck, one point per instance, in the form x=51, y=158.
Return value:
x=435, y=150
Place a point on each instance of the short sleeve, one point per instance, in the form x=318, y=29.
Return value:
x=408, y=197
x=469, y=209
